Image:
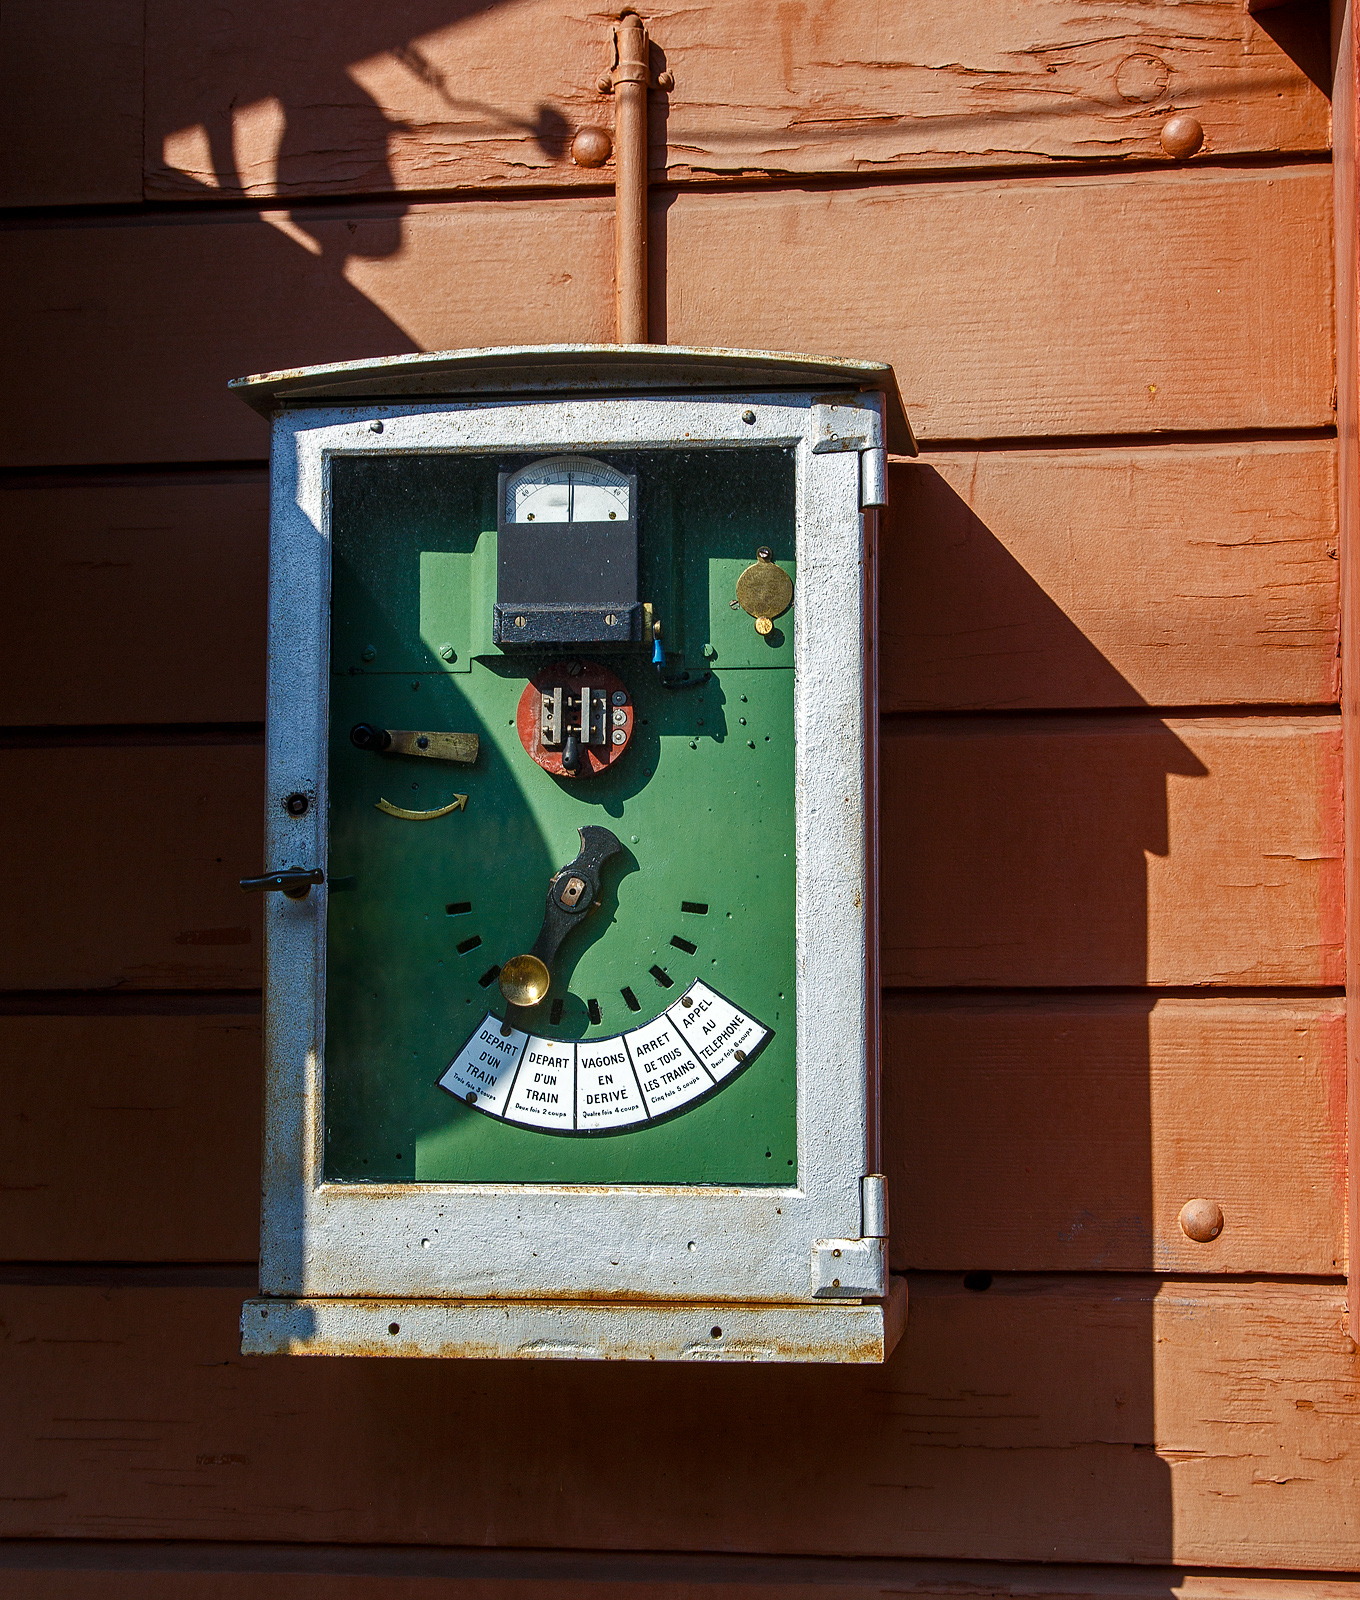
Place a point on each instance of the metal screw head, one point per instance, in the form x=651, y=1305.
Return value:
x=610, y=619
x=665, y=81
x=1201, y=1220
x=296, y=804
x=520, y=621
x=447, y=653
x=748, y=416
x=367, y=653
x=1182, y=137
x=375, y=427
x=619, y=697
x=591, y=147
x=619, y=735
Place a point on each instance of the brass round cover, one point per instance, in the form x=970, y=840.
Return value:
x=764, y=589
x=524, y=980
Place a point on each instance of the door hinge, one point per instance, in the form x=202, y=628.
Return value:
x=856, y=1269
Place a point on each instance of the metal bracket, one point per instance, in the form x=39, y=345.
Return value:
x=632, y=59
x=847, y=422
x=849, y=1269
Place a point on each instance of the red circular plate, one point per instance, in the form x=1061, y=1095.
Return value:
x=572, y=677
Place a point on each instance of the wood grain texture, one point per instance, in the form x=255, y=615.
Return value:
x=143, y=603
x=1175, y=575
x=1165, y=575
x=1346, y=95
x=128, y=333
x=1088, y=851
x=71, y=106
x=1094, y=1421
x=1111, y=850
x=125, y=865
x=185, y=1570
x=1065, y=1134
x=1078, y=334
x=1020, y=1134
x=130, y=1138
x=420, y=99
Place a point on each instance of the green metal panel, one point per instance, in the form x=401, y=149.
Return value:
x=421, y=913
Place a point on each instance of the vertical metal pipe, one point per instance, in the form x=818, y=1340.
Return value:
x=630, y=181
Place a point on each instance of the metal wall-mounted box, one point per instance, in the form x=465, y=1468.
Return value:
x=571, y=1000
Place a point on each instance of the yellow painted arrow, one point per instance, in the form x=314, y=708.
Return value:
x=459, y=802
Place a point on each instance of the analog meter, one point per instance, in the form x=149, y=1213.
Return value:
x=571, y=1019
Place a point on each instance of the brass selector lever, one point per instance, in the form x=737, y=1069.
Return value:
x=412, y=742
x=525, y=980
x=295, y=882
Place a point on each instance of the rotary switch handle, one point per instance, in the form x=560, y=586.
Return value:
x=572, y=892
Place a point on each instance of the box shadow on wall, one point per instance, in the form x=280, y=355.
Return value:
x=1015, y=949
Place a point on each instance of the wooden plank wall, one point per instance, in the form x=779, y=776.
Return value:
x=1112, y=799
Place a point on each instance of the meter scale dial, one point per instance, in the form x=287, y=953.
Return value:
x=567, y=489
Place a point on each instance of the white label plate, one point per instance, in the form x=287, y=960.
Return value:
x=668, y=1072
x=722, y=1037
x=544, y=1095
x=482, y=1071
x=606, y=1092
x=606, y=1085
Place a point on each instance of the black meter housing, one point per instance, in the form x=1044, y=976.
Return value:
x=566, y=583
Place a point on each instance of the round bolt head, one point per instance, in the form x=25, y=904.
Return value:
x=1201, y=1220
x=619, y=697
x=619, y=736
x=591, y=147
x=748, y=416
x=1182, y=136
x=610, y=619
x=447, y=653
x=368, y=653
x=375, y=427
x=296, y=804
x=665, y=80
x=763, y=625
x=620, y=717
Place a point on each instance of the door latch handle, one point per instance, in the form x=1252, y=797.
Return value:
x=295, y=882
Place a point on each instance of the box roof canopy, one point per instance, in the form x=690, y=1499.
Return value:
x=573, y=368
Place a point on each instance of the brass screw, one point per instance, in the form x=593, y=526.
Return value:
x=520, y=621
